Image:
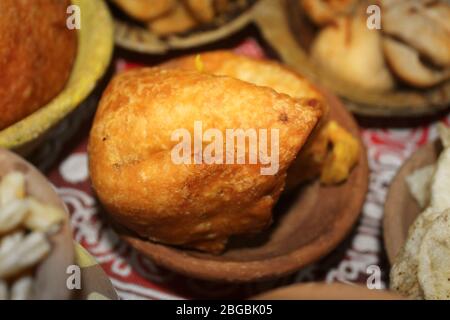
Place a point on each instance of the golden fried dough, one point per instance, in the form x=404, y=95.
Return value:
x=352, y=52
x=322, y=12
x=406, y=63
x=177, y=20
x=330, y=151
x=260, y=72
x=418, y=24
x=145, y=10
x=194, y=205
x=202, y=10
x=36, y=55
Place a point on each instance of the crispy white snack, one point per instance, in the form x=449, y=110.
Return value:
x=31, y=250
x=419, y=183
x=439, y=11
x=42, y=217
x=352, y=52
x=434, y=259
x=11, y=241
x=4, y=292
x=22, y=288
x=12, y=215
x=403, y=274
x=12, y=187
x=407, y=65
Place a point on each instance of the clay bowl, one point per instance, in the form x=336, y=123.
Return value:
x=50, y=275
x=309, y=222
x=288, y=31
x=136, y=37
x=324, y=291
x=401, y=209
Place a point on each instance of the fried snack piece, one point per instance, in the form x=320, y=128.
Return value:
x=202, y=10
x=406, y=63
x=312, y=160
x=352, y=52
x=322, y=12
x=343, y=156
x=178, y=20
x=419, y=183
x=36, y=56
x=145, y=10
x=194, y=205
x=434, y=259
x=417, y=23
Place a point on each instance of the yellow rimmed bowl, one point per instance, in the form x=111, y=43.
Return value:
x=95, y=47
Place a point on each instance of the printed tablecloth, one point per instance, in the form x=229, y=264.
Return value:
x=64, y=160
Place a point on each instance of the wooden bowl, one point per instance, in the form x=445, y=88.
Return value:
x=135, y=37
x=401, y=209
x=289, y=32
x=95, y=47
x=309, y=223
x=51, y=274
x=324, y=291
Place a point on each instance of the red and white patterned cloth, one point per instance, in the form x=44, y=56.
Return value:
x=136, y=277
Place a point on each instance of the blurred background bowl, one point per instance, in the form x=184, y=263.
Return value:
x=285, y=26
x=95, y=47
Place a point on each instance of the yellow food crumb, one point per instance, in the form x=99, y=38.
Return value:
x=342, y=157
x=199, y=63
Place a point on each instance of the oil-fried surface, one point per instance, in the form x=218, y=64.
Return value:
x=36, y=56
x=194, y=205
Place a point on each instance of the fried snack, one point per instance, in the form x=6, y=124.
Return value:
x=24, y=225
x=404, y=272
x=202, y=10
x=12, y=187
x=417, y=24
x=322, y=12
x=36, y=56
x=343, y=156
x=315, y=158
x=145, y=10
x=178, y=20
x=419, y=184
x=352, y=52
x=406, y=63
x=434, y=259
x=12, y=215
x=22, y=288
x=193, y=205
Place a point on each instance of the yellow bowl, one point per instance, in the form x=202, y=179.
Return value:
x=95, y=47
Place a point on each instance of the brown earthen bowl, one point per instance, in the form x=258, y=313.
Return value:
x=401, y=209
x=324, y=291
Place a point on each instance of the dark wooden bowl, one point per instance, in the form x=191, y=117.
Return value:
x=309, y=223
x=51, y=274
x=324, y=291
x=286, y=28
x=401, y=209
